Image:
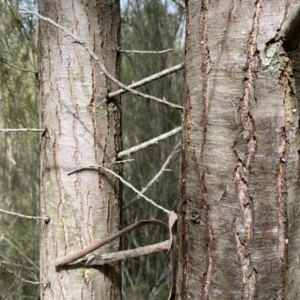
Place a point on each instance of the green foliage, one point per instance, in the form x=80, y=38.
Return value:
x=19, y=152
x=150, y=25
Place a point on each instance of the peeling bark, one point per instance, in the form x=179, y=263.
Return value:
x=84, y=207
x=240, y=154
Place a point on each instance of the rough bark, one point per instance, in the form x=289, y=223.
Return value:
x=239, y=227
x=83, y=207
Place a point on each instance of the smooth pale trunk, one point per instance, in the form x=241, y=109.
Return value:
x=83, y=207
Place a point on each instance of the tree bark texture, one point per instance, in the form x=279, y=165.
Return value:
x=239, y=211
x=83, y=207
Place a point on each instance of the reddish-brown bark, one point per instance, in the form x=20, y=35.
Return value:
x=239, y=167
x=83, y=207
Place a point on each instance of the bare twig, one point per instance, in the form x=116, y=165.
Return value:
x=5, y=61
x=95, y=57
x=162, y=169
x=123, y=255
x=143, y=52
x=25, y=216
x=21, y=130
x=180, y=3
x=149, y=143
x=18, y=247
x=17, y=276
x=125, y=182
x=147, y=80
x=61, y=261
x=123, y=161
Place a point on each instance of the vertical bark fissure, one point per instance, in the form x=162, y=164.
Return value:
x=281, y=179
x=209, y=260
x=282, y=213
x=184, y=218
x=90, y=221
x=63, y=293
x=61, y=191
x=184, y=247
x=205, y=86
x=92, y=108
x=243, y=169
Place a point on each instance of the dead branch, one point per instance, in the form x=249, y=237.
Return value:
x=180, y=3
x=19, y=248
x=147, y=80
x=162, y=169
x=95, y=260
x=62, y=261
x=5, y=61
x=47, y=218
x=95, y=57
x=144, y=52
x=21, y=130
x=149, y=143
x=19, y=277
x=125, y=182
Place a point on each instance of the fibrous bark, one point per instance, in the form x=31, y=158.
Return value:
x=240, y=177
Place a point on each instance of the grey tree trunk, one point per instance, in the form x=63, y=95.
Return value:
x=85, y=206
x=239, y=220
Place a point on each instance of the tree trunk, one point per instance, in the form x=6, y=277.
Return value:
x=239, y=211
x=83, y=207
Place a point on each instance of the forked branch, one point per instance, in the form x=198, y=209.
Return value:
x=155, y=178
x=62, y=261
x=125, y=182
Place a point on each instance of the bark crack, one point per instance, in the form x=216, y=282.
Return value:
x=282, y=211
x=62, y=199
x=184, y=217
x=243, y=168
x=281, y=177
x=206, y=65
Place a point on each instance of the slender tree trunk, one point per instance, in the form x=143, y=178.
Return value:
x=239, y=210
x=83, y=207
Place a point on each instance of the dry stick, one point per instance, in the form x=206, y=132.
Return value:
x=125, y=182
x=144, y=52
x=5, y=61
x=157, y=175
x=180, y=3
x=123, y=161
x=61, y=261
x=148, y=143
x=126, y=254
x=17, y=276
x=95, y=57
x=21, y=130
x=25, y=216
x=19, y=248
x=147, y=80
